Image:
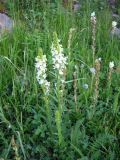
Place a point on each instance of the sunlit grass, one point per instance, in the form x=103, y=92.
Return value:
x=68, y=125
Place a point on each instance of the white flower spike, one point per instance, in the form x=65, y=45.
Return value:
x=93, y=17
x=41, y=71
x=58, y=58
x=114, y=24
x=93, y=14
x=111, y=65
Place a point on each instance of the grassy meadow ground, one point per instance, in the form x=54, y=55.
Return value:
x=83, y=121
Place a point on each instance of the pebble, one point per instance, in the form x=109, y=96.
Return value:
x=6, y=23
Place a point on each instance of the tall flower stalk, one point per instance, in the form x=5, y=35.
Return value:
x=111, y=66
x=58, y=120
x=114, y=26
x=15, y=148
x=93, y=72
x=41, y=69
x=59, y=60
x=97, y=76
x=69, y=41
x=59, y=65
x=93, y=22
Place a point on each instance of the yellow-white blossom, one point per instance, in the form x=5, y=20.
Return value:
x=111, y=65
x=41, y=69
x=58, y=58
x=114, y=24
x=93, y=17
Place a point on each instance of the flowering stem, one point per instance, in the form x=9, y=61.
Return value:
x=15, y=148
x=59, y=65
x=59, y=95
x=96, y=90
x=48, y=112
x=69, y=41
x=109, y=84
x=58, y=125
x=93, y=43
x=111, y=65
x=93, y=21
x=41, y=68
x=92, y=82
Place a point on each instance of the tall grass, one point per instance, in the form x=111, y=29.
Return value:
x=83, y=121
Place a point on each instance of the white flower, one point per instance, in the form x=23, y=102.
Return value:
x=61, y=72
x=47, y=86
x=93, y=14
x=100, y=59
x=40, y=81
x=41, y=72
x=93, y=18
x=114, y=24
x=111, y=65
x=85, y=86
x=58, y=58
x=92, y=70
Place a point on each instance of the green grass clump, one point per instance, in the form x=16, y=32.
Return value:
x=79, y=119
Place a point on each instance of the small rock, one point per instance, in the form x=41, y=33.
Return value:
x=6, y=23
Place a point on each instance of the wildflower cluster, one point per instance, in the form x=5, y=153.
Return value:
x=41, y=71
x=59, y=60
